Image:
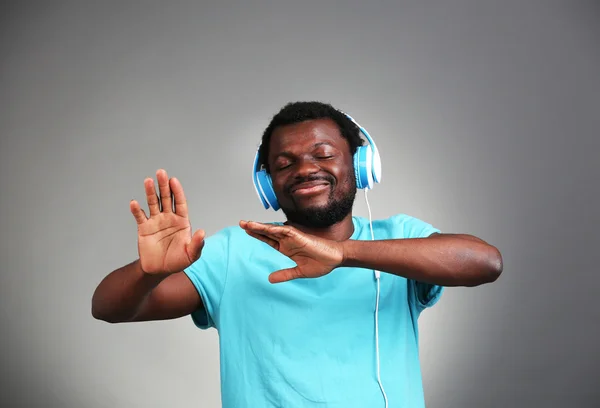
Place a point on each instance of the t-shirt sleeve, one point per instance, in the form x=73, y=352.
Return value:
x=209, y=275
x=421, y=295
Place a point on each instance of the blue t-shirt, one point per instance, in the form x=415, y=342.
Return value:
x=311, y=342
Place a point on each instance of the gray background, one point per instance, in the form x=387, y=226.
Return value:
x=487, y=116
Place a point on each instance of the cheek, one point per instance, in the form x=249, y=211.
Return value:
x=345, y=182
x=349, y=182
x=278, y=183
x=345, y=173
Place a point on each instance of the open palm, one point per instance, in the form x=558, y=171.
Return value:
x=165, y=241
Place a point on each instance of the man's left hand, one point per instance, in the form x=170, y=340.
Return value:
x=314, y=256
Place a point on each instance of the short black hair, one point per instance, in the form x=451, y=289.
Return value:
x=296, y=112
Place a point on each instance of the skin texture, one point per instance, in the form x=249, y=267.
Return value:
x=306, y=154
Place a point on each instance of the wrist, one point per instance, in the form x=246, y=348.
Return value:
x=349, y=258
x=140, y=269
x=150, y=278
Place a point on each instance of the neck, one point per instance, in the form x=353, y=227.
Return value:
x=340, y=231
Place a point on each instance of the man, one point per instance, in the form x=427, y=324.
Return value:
x=294, y=303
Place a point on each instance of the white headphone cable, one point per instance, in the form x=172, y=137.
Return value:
x=376, y=309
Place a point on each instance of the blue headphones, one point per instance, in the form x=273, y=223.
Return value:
x=367, y=169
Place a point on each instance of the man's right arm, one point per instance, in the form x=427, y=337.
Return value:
x=128, y=294
x=152, y=287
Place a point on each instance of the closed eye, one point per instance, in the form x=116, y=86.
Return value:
x=283, y=166
x=287, y=163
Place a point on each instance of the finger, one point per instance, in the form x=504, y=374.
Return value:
x=151, y=197
x=246, y=228
x=258, y=232
x=166, y=200
x=272, y=231
x=194, y=247
x=284, y=275
x=180, y=201
x=138, y=213
x=264, y=239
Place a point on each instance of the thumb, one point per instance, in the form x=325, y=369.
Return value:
x=194, y=247
x=284, y=275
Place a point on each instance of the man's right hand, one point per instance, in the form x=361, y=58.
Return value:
x=165, y=241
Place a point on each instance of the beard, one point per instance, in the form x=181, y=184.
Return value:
x=325, y=216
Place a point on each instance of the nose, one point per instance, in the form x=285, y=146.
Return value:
x=306, y=167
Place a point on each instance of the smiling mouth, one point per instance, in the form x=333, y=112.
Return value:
x=311, y=187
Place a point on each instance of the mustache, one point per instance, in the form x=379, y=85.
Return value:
x=300, y=180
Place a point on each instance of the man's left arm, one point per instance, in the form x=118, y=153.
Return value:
x=439, y=259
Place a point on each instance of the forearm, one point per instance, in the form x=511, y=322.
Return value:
x=121, y=294
x=444, y=259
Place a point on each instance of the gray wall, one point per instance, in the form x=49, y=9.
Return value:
x=487, y=115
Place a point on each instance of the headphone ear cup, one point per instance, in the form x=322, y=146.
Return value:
x=376, y=165
x=362, y=167
x=259, y=191
x=356, y=164
x=265, y=185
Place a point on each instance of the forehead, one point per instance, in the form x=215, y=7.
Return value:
x=301, y=137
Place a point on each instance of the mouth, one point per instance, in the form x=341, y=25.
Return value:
x=310, y=188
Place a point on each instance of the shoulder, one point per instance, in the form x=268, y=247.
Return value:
x=222, y=236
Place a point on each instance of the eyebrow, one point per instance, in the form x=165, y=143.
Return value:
x=290, y=154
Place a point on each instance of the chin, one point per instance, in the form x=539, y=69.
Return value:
x=313, y=205
x=319, y=216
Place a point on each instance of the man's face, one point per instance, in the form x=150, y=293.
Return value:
x=312, y=172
